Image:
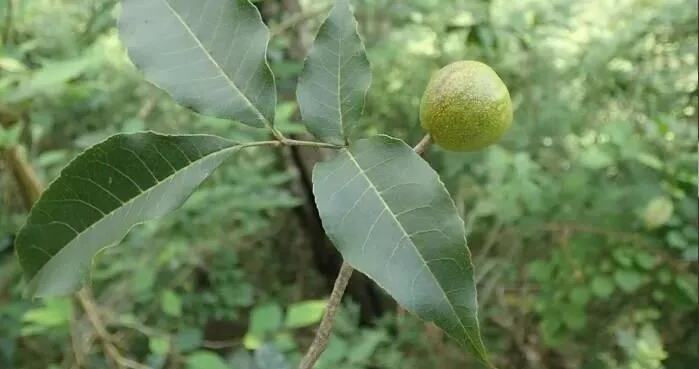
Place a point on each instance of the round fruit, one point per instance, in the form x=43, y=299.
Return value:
x=466, y=107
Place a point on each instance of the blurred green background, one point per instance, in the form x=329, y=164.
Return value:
x=582, y=221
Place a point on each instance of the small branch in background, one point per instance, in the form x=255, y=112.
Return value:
x=320, y=342
x=26, y=178
x=423, y=145
x=147, y=108
x=7, y=30
x=298, y=18
x=78, y=352
x=491, y=240
x=105, y=339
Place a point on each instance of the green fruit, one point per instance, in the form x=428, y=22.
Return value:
x=466, y=107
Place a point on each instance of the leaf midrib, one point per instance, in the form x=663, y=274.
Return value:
x=417, y=251
x=126, y=203
x=218, y=66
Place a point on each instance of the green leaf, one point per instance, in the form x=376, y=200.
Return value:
x=171, y=303
x=367, y=345
x=52, y=77
x=389, y=214
x=159, y=345
x=579, y=295
x=205, y=360
x=54, y=313
x=602, y=286
x=209, y=55
x=336, y=78
x=658, y=212
x=629, y=280
x=265, y=319
x=116, y=184
x=305, y=313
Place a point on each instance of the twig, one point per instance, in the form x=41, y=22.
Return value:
x=105, y=339
x=422, y=146
x=320, y=342
x=7, y=31
x=219, y=345
x=75, y=342
x=27, y=182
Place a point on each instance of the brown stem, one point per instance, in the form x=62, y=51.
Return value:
x=7, y=31
x=105, y=338
x=27, y=182
x=320, y=342
x=423, y=145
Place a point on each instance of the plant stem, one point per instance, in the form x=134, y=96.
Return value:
x=423, y=145
x=320, y=342
x=289, y=142
x=27, y=182
x=109, y=349
x=7, y=31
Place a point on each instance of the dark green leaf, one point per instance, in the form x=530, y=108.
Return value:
x=336, y=78
x=629, y=280
x=171, y=303
x=602, y=286
x=209, y=55
x=391, y=217
x=123, y=181
x=205, y=360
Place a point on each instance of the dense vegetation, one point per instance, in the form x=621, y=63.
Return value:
x=582, y=221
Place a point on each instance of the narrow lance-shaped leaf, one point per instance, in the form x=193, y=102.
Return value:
x=389, y=214
x=336, y=78
x=114, y=185
x=210, y=55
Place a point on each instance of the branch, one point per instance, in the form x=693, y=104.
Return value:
x=320, y=342
x=7, y=31
x=108, y=347
x=27, y=182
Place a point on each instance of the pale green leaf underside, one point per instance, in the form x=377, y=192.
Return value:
x=335, y=79
x=389, y=214
x=210, y=55
x=114, y=185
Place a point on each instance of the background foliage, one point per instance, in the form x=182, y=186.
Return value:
x=582, y=221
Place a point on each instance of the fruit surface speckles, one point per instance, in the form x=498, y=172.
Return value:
x=466, y=107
